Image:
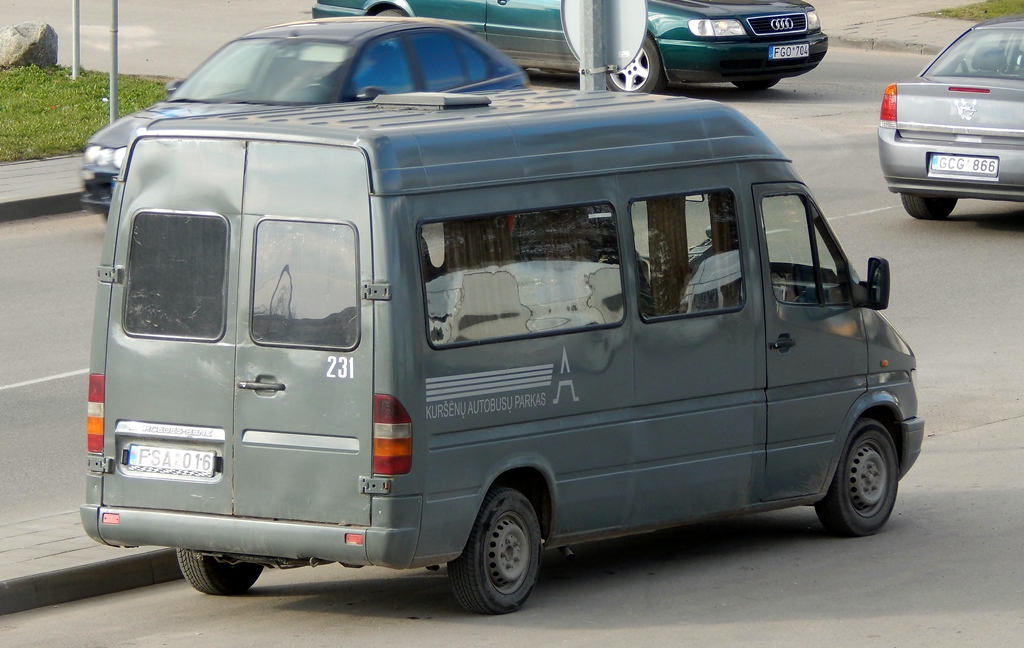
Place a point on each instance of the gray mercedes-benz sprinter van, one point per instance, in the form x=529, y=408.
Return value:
x=460, y=329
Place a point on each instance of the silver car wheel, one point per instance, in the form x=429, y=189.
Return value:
x=632, y=77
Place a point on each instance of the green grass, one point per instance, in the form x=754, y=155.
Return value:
x=43, y=112
x=983, y=10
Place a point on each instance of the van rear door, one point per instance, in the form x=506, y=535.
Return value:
x=239, y=368
x=304, y=365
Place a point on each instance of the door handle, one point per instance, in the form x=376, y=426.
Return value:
x=784, y=341
x=259, y=385
x=503, y=2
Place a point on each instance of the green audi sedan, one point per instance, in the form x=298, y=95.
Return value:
x=749, y=43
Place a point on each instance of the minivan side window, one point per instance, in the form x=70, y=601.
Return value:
x=687, y=251
x=176, y=276
x=806, y=264
x=517, y=275
x=305, y=285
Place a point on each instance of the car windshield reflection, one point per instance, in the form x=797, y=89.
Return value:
x=268, y=71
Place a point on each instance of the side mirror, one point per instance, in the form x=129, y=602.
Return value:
x=369, y=93
x=173, y=85
x=878, y=284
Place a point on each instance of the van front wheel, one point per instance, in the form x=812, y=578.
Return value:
x=501, y=561
x=211, y=576
x=863, y=491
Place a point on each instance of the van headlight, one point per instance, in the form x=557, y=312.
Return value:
x=707, y=28
x=105, y=157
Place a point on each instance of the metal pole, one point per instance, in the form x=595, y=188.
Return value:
x=592, y=46
x=113, y=61
x=76, y=33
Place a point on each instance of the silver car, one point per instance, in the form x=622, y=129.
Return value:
x=957, y=131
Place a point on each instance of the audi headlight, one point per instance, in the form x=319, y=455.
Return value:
x=708, y=28
x=813, y=24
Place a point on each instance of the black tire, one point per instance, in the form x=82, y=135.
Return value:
x=863, y=491
x=928, y=208
x=211, y=576
x=645, y=74
x=501, y=562
x=758, y=84
x=397, y=13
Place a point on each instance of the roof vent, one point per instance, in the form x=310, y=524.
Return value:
x=435, y=100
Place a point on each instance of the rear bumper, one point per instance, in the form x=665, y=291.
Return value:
x=904, y=164
x=391, y=546
x=913, y=438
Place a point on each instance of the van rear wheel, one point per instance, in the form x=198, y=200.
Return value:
x=500, y=564
x=863, y=490
x=211, y=576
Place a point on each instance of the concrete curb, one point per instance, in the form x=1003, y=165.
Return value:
x=42, y=206
x=884, y=45
x=86, y=581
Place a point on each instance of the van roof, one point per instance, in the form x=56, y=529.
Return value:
x=424, y=142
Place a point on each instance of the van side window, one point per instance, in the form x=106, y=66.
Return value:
x=304, y=288
x=687, y=250
x=521, y=274
x=176, y=277
x=804, y=259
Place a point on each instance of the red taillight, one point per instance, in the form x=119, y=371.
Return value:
x=977, y=90
x=94, y=416
x=888, y=112
x=392, y=436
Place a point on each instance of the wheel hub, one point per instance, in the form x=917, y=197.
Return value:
x=508, y=555
x=868, y=478
x=634, y=75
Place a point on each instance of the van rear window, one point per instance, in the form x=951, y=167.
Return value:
x=521, y=274
x=176, y=276
x=305, y=285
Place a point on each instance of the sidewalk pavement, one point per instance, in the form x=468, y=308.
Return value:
x=50, y=560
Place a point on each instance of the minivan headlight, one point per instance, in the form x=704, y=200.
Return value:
x=708, y=28
x=813, y=24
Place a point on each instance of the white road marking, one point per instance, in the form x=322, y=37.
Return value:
x=47, y=379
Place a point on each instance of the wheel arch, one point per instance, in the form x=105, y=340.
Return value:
x=535, y=484
x=375, y=8
x=880, y=406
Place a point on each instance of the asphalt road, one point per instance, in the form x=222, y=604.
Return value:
x=945, y=571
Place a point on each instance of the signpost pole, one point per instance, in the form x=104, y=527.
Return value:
x=76, y=33
x=112, y=99
x=592, y=46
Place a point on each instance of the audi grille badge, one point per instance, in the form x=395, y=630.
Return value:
x=782, y=24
